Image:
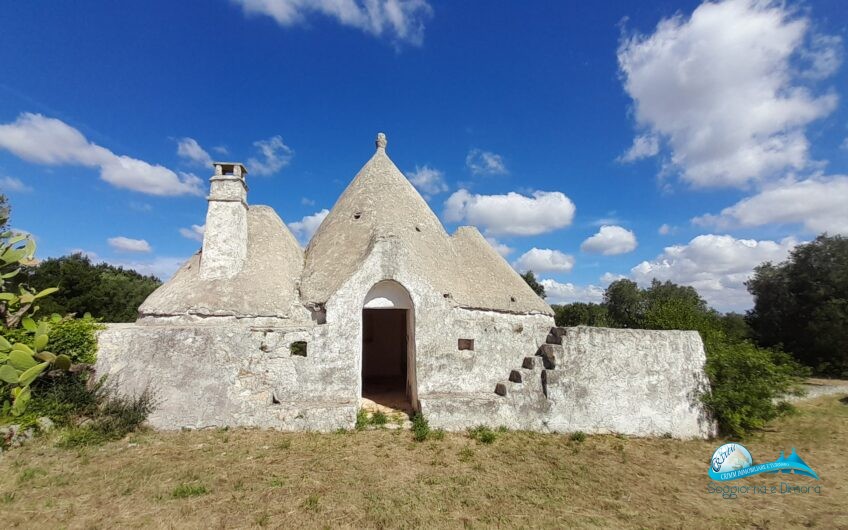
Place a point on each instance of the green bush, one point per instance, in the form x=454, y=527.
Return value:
x=420, y=427
x=184, y=491
x=61, y=398
x=76, y=338
x=578, y=436
x=747, y=384
x=62, y=395
x=361, y=419
x=379, y=419
x=114, y=417
x=482, y=434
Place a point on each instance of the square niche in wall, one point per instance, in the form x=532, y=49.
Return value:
x=298, y=348
x=465, y=344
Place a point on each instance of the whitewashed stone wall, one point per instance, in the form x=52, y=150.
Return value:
x=631, y=381
x=242, y=373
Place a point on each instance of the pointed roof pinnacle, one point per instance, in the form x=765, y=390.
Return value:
x=381, y=141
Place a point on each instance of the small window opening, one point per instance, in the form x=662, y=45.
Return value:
x=417, y=228
x=274, y=400
x=512, y=299
x=298, y=348
x=466, y=344
x=447, y=295
x=357, y=215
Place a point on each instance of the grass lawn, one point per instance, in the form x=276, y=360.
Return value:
x=252, y=478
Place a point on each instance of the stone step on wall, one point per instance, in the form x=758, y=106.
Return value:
x=530, y=378
x=533, y=362
x=552, y=385
x=556, y=336
x=522, y=379
x=552, y=355
x=526, y=381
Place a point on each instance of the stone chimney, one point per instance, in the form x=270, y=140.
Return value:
x=225, y=237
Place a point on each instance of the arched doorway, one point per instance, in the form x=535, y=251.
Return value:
x=388, y=348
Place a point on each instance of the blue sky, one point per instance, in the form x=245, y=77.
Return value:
x=567, y=132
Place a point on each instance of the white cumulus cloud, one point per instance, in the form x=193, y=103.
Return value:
x=609, y=277
x=189, y=150
x=717, y=266
x=501, y=248
x=481, y=162
x=398, y=20
x=275, y=156
x=544, y=260
x=48, y=141
x=428, y=181
x=306, y=227
x=163, y=267
x=644, y=146
x=513, y=213
x=723, y=90
x=126, y=244
x=195, y=232
x=566, y=293
x=609, y=241
x=13, y=184
x=818, y=204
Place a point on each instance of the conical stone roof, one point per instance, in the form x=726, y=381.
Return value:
x=381, y=204
x=265, y=287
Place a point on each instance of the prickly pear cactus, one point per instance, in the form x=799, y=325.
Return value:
x=20, y=363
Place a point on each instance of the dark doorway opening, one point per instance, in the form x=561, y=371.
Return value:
x=385, y=358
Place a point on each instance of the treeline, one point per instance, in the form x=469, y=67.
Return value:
x=106, y=292
x=660, y=306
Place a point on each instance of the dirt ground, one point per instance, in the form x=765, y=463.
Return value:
x=382, y=478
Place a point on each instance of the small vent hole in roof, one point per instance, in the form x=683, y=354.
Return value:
x=512, y=299
x=357, y=215
x=417, y=228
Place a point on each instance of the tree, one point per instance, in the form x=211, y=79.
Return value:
x=581, y=314
x=625, y=304
x=537, y=287
x=110, y=293
x=671, y=306
x=5, y=213
x=735, y=327
x=802, y=304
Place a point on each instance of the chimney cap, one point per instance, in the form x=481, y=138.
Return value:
x=229, y=168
